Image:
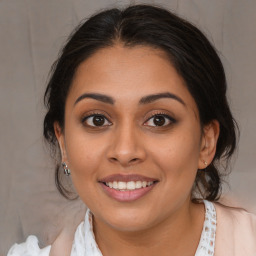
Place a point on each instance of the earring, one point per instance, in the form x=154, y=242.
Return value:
x=205, y=163
x=65, y=168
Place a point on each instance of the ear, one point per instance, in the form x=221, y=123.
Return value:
x=209, y=140
x=61, y=140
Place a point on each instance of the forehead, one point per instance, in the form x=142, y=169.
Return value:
x=129, y=74
x=123, y=63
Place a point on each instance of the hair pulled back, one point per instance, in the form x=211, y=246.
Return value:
x=193, y=56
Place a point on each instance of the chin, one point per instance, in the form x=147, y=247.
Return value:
x=128, y=220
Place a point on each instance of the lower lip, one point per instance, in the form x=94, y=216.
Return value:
x=128, y=195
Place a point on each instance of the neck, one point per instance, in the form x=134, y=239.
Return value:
x=179, y=234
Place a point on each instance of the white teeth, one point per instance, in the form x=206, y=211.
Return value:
x=115, y=186
x=131, y=185
x=138, y=184
x=121, y=185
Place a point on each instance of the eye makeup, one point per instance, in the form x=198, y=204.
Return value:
x=160, y=119
x=95, y=120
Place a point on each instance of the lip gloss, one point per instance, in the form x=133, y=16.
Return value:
x=126, y=195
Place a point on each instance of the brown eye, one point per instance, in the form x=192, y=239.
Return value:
x=160, y=120
x=96, y=121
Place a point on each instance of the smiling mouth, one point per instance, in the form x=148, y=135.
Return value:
x=130, y=185
x=127, y=188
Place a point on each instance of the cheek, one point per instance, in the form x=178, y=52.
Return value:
x=84, y=160
x=84, y=157
x=177, y=160
x=177, y=156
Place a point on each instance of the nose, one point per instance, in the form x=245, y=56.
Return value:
x=126, y=147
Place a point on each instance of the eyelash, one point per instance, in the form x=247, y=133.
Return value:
x=158, y=114
x=84, y=119
x=161, y=114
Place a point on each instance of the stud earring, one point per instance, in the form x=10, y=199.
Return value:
x=205, y=163
x=65, y=168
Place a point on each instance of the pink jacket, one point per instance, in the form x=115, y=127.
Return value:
x=236, y=232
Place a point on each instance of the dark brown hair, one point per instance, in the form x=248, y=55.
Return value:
x=193, y=56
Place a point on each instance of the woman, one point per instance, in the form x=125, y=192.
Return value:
x=137, y=110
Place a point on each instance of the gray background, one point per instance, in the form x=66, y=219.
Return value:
x=31, y=33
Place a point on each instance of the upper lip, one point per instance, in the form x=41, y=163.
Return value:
x=126, y=178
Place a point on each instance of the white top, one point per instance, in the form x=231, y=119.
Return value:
x=84, y=241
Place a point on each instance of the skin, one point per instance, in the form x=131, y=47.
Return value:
x=164, y=220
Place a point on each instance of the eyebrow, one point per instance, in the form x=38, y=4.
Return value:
x=154, y=97
x=144, y=100
x=96, y=96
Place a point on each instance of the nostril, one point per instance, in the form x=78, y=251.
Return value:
x=113, y=159
x=124, y=161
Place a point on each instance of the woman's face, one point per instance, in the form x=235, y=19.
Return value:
x=132, y=137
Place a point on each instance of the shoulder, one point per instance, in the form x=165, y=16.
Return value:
x=61, y=246
x=29, y=248
x=236, y=217
x=236, y=231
